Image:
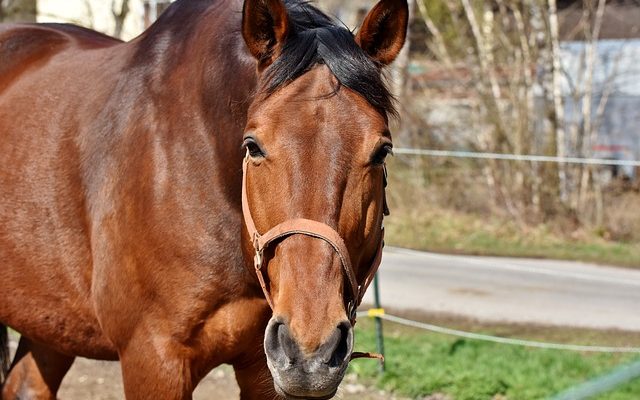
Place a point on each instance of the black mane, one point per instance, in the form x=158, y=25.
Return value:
x=314, y=39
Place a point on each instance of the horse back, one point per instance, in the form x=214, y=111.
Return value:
x=26, y=46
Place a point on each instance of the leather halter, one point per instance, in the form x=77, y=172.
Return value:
x=314, y=229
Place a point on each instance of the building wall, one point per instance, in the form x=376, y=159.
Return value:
x=98, y=15
x=617, y=73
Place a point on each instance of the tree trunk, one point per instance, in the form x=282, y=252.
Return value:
x=401, y=84
x=589, y=134
x=18, y=10
x=558, y=100
x=119, y=16
x=440, y=50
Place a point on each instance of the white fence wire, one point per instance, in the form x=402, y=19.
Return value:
x=514, y=157
x=497, y=339
x=586, y=391
x=602, y=384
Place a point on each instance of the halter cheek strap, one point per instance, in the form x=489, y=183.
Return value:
x=312, y=229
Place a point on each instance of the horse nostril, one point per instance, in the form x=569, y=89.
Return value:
x=284, y=352
x=279, y=345
x=288, y=345
x=342, y=345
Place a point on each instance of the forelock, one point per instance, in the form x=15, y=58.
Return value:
x=316, y=39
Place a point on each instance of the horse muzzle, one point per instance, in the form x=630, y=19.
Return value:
x=298, y=375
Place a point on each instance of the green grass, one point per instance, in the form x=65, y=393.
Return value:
x=455, y=232
x=420, y=364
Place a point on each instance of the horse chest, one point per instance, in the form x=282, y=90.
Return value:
x=234, y=331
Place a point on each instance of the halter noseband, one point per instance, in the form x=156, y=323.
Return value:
x=314, y=229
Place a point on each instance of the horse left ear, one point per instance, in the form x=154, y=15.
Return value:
x=384, y=30
x=265, y=25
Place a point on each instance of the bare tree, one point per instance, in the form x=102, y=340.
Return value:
x=592, y=33
x=506, y=58
x=400, y=81
x=119, y=16
x=558, y=106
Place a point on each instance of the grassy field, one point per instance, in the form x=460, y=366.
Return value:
x=420, y=364
x=448, y=210
x=448, y=231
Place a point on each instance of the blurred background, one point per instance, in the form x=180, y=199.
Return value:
x=554, y=78
x=546, y=84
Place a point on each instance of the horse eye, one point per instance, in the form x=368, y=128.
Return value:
x=381, y=154
x=252, y=146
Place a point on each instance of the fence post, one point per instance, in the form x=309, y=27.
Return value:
x=379, y=336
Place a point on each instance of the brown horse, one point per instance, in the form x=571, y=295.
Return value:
x=121, y=195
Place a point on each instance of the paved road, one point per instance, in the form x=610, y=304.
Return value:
x=513, y=290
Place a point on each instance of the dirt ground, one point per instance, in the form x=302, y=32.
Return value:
x=101, y=380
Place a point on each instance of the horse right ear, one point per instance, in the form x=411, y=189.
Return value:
x=265, y=25
x=384, y=30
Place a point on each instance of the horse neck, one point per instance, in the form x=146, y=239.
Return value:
x=193, y=83
x=197, y=54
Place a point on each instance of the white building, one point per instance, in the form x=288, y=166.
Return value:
x=616, y=96
x=99, y=14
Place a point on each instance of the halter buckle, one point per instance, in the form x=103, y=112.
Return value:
x=352, y=310
x=258, y=259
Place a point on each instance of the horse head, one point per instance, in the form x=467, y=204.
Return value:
x=316, y=139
